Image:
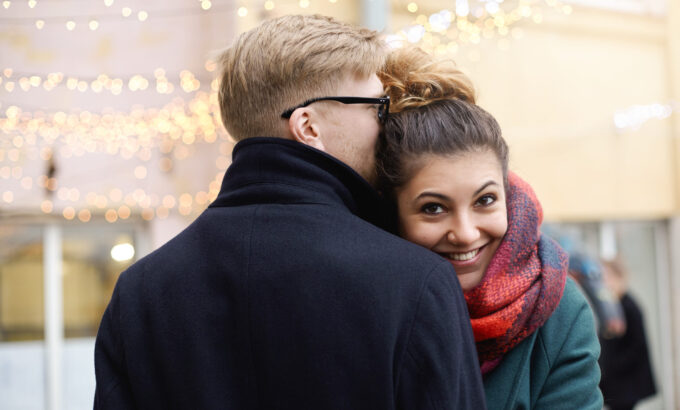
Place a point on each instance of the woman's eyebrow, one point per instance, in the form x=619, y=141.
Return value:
x=434, y=194
x=486, y=184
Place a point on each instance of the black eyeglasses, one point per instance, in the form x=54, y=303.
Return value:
x=382, y=102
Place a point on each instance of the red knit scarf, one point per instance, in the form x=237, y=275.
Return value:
x=522, y=285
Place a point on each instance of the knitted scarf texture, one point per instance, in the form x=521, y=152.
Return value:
x=523, y=283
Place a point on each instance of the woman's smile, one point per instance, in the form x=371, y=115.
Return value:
x=455, y=206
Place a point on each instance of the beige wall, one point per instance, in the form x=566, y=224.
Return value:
x=555, y=91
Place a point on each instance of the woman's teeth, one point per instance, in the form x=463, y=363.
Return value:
x=463, y=256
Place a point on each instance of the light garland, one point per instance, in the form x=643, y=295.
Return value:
x=93, y=20
x=170, y=131
x=189, y=82
x=470, y=22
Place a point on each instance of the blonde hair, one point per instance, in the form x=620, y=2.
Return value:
x=286, y=61
x=413, y=78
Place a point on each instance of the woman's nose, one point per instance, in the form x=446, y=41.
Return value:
x=463, y=231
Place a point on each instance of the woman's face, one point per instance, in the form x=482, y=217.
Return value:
x=455, y=206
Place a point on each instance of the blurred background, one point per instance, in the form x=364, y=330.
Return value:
x=110, y=144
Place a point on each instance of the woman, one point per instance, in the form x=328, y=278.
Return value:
x=445, y=164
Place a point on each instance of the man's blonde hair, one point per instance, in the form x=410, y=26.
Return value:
x=286, y=61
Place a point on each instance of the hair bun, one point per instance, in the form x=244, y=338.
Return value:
x=413, y=78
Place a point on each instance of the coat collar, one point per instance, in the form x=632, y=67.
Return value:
x=276, y=170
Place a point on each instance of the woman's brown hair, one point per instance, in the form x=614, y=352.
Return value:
x=434, y=114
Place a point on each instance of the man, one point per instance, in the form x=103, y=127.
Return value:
x=282, y=294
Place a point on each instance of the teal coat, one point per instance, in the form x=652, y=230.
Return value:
x=554, y=368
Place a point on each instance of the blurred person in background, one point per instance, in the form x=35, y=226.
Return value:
x=587, y=271
x=445, y=164
x=284, y=294
x=626, y=370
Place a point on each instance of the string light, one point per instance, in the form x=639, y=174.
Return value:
x=125, y=12
x=131, y=135
x=103, y=82
x=470, y=21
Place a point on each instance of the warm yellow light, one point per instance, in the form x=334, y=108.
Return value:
x=6, y=4
x=412, y=7
x=124, y=212
x=269, y=5
x=94, y=24
x=162, y=212
x=126, y=11
x=201, y=197
x=185, y=200
x=140, y=172
x=206, y=4
x=46, y=206
x=84, y=215
x=70, y=25
x=142, y=15
x=73, y=194
x=111, y=215
x=122, y=252
x=27, y=183
x=304, y=4
x=242, y=11
x=169, y=201
x=40, y=24
x=69, y=213
x=8, y=196
x=101, y=201
x=32, y=3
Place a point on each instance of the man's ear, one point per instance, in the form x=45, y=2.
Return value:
x=304, y=129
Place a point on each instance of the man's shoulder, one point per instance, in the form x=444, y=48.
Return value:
x=373, y=244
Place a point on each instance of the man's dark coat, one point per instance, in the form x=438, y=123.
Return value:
x=282, y=295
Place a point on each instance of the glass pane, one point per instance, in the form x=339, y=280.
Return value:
x=637, y=242
x=90, y=272
x=21, y=317
x=21, y=283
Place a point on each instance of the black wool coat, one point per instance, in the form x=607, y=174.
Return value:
x=283, y=295
x=626, y=370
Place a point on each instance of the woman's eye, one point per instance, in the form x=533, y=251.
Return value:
x=432, y=209
x=486, y=200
